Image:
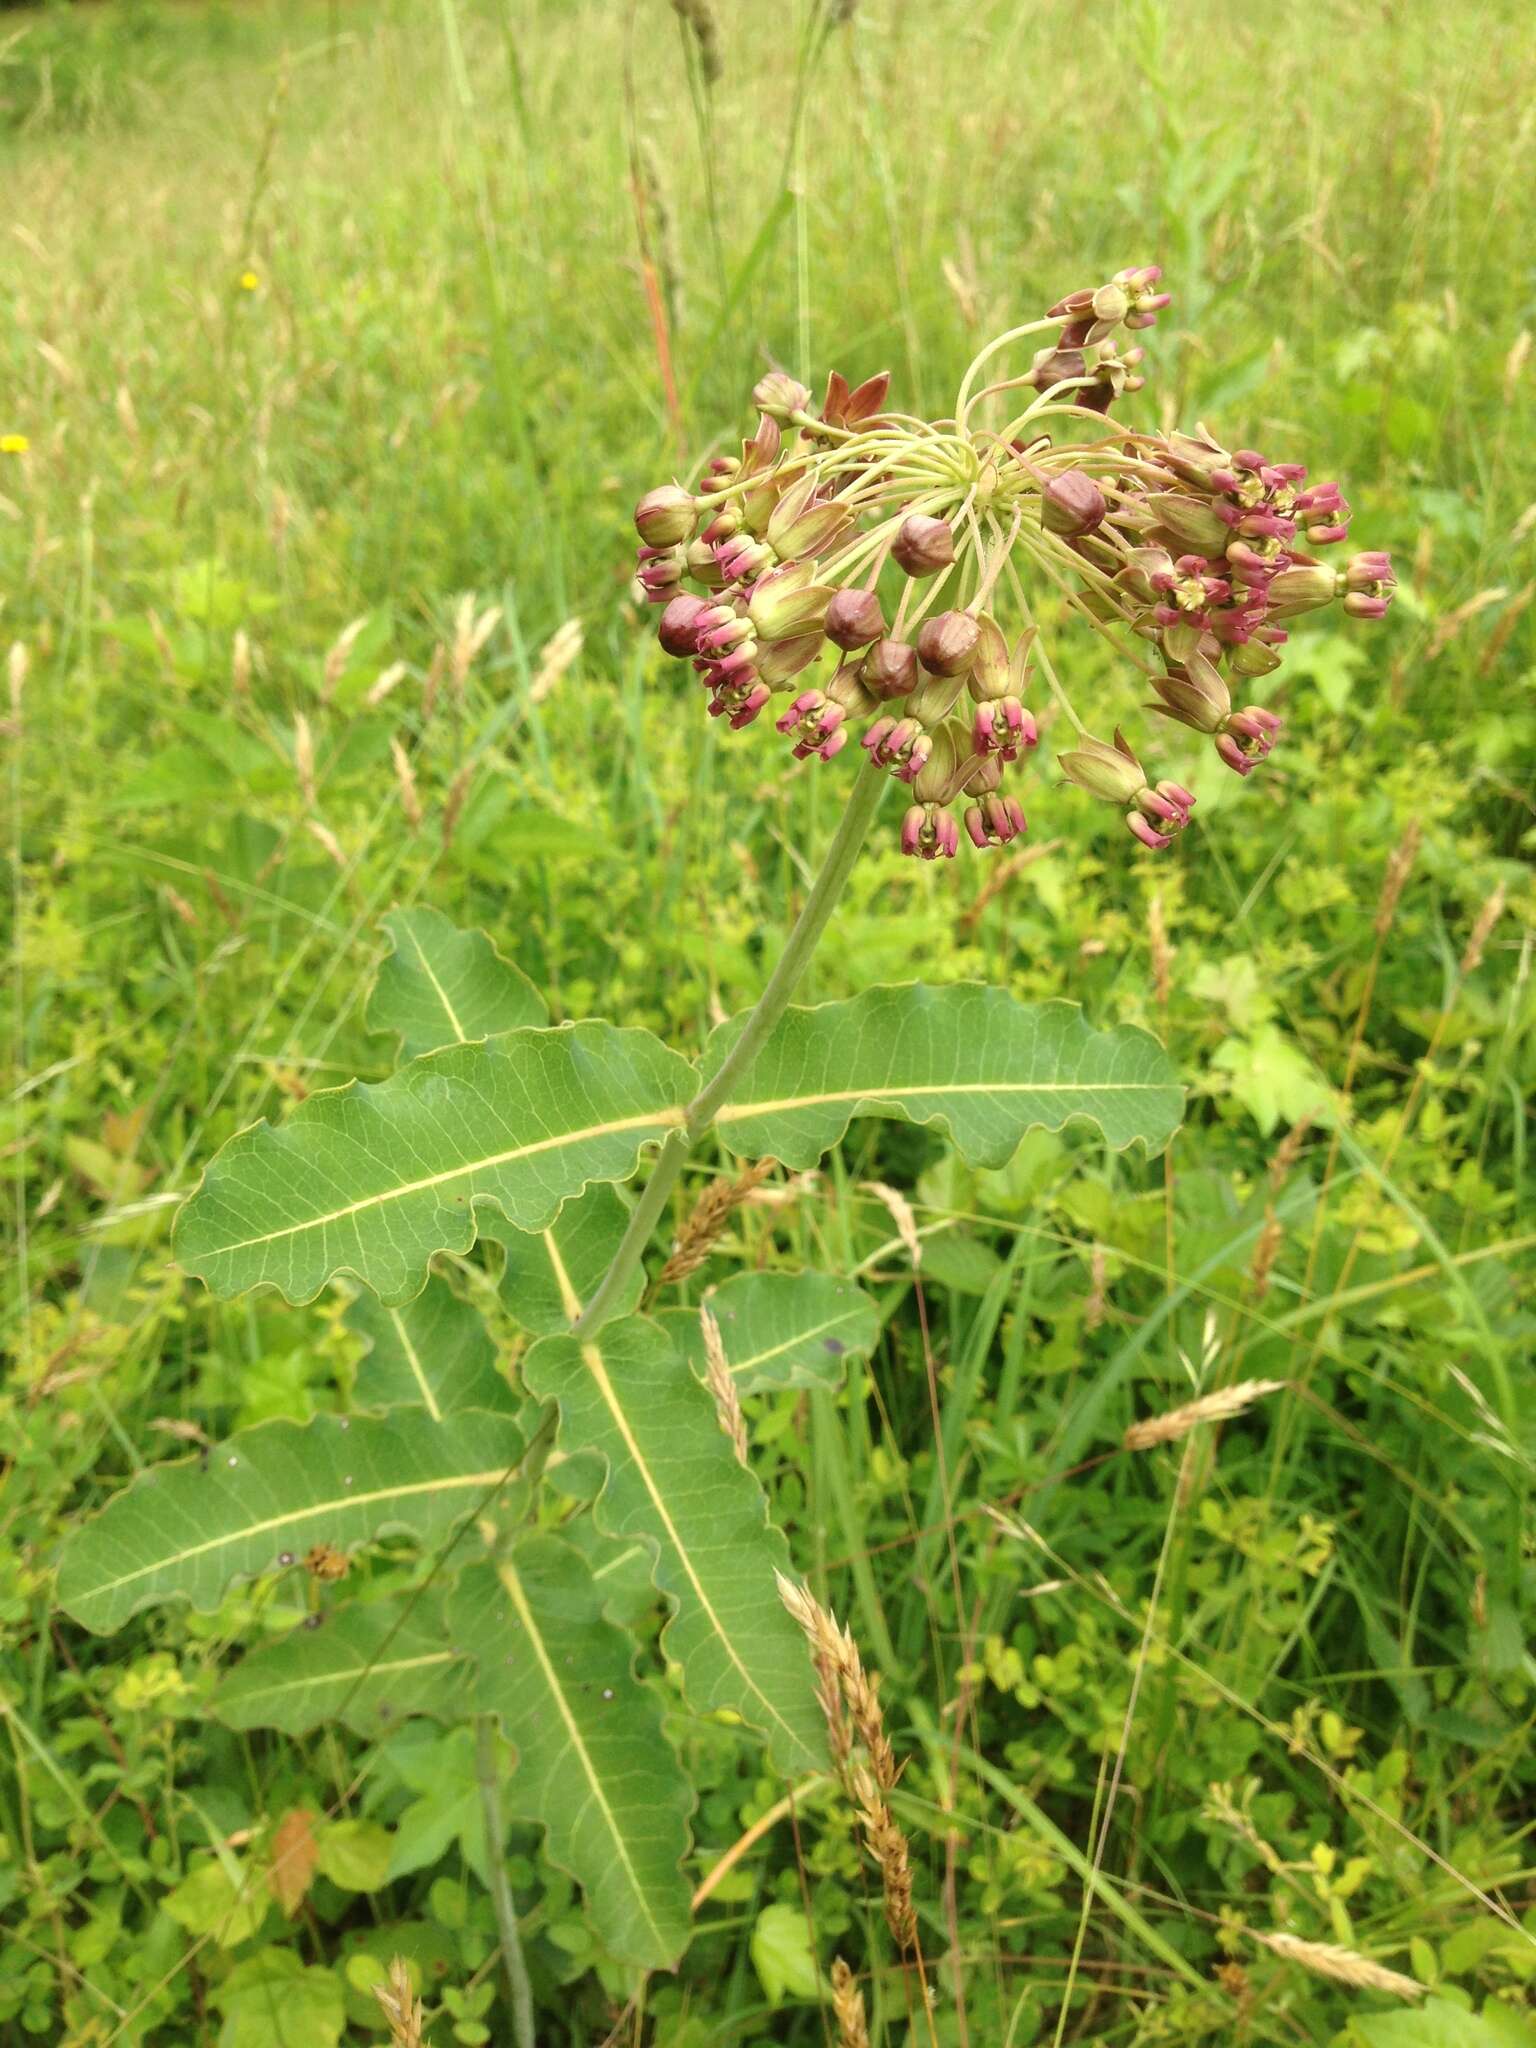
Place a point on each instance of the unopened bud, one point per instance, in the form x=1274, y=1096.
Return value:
x=946, y=643
x=777, y=396
x=1072, y=504
x=666, y=516
x=854, y=619
x=678, y=629
x=924, y=545
x=889, y=670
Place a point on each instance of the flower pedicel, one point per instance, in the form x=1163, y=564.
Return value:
x=770, y=573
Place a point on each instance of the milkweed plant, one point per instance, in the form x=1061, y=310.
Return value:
x=448, y=1539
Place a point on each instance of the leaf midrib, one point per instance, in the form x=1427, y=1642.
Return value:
x=525, y=1614
x=592, y=1357
x=734, y=1112
x=660, y=1119
x=452, y=1482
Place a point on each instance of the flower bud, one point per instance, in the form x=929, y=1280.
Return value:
x=924, y=545
x=679, y=624
x=1072, y=504
x=889, y=669
x=666, y=516
x=800, y=525
x=946, y=643
x=854, y=619
x=776, y=396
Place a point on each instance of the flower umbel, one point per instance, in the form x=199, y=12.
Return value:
x=850, y=562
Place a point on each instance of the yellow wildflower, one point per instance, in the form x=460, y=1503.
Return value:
x=14, y=444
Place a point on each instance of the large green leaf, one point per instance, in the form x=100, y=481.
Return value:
x=258, y=1502
x=971, y=1059
x=372, y=1180
x=434, y=1353
x=549, y=1273
x=442, y=986
x=368, y=1665
x=674, y=1480
x=781, y=1329
x=595, y=1769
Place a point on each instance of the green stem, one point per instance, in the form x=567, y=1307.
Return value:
x=501, y=1891
x=857, y=818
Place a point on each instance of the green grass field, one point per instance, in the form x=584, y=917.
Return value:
x=336, y=344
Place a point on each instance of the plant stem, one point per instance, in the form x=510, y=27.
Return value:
x=501, y=1892
x=864, y=801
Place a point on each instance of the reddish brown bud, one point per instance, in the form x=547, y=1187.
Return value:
x=1072, y=504
x=924, y=545
x=889, y=670
x=946, y=646
x=666, y=516
x=854, y=618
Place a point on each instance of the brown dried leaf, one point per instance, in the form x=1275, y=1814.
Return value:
x=295, y=1851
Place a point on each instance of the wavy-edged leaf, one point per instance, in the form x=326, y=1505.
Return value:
x=368, y=1664
x=371, y=1180
x=595, y=1769
x=971, y=1059
x=434, y=1353
x=781, y=1329
x=443, y=986
x=263, y=1499
x=551, y=1272
x=675, y=1482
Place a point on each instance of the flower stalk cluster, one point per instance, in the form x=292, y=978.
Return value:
x=846, y=571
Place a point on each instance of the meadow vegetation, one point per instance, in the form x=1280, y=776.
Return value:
x=336, y=344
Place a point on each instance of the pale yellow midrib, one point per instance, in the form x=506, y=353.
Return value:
x=892, y=1090
x=657, y=1118
x=442, y=993
x=416, y=1366
x=325, y=1507
x=593, y=1359
x=271, y=1692
x=570, y=1300
x=789, y=1343
x=525, y=1614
